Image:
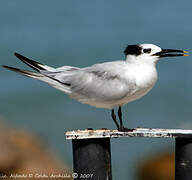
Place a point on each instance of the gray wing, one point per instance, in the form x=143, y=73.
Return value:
x=104, y=82
x=100, y=82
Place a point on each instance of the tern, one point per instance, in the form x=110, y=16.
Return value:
x=105, y=85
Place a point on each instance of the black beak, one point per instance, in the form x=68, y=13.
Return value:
x=170, y=53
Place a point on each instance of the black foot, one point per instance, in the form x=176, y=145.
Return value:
x=124, y=129
x=104, y=128
x=89, y=129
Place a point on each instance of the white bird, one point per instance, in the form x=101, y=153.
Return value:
x=109, y=84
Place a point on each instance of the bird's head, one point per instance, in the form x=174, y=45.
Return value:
x=150, y=53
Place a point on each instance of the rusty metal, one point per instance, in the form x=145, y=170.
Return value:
x=92, y=156
x=183, y=159
x=138, y=132
x=92, y=159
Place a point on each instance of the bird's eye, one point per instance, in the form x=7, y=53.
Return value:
x=147, y=50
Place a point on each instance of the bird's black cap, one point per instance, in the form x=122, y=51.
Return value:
x=133, y=50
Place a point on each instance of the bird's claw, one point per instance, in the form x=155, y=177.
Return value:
x=124, y=129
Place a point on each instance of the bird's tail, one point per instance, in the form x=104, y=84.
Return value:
x=34, y=64
x=40, y=74
x=25, y=73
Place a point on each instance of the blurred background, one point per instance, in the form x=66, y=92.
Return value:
x=81, y=33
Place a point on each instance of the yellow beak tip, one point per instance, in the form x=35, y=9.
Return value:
x=185, y=54
x=185, y=51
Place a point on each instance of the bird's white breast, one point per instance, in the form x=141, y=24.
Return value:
x=144, y=76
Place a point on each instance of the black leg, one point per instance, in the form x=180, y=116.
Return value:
x=121, y=127
x=120, y=116
x=114, y=118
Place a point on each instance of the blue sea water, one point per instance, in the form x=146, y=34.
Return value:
x=81, y=33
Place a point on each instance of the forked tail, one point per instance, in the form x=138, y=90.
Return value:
x=42, y=73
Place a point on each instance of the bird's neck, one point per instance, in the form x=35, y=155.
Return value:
x=144, y=72
x=144, y=60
